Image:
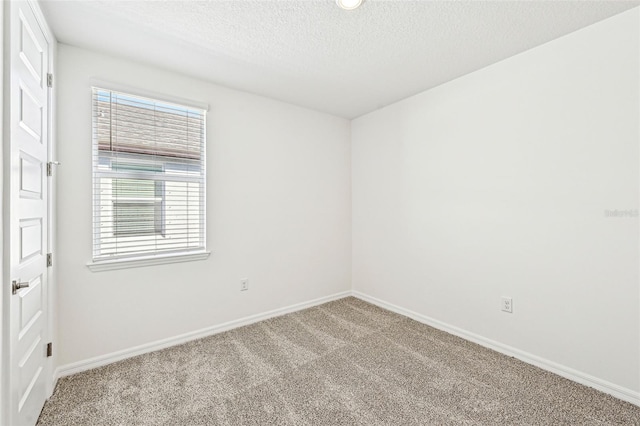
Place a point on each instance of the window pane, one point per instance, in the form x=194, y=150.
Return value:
x=134, y=188
x=136, y=218
x=148, y=176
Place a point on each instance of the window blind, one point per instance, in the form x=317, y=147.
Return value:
x=148, y=177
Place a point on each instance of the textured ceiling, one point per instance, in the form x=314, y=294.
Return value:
x=313, y=54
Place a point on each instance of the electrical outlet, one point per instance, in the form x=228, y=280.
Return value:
x=244, y=284
x=507, y=304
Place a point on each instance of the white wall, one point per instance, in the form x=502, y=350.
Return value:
x=278, y=213
x=3, y=343
x=496, y=184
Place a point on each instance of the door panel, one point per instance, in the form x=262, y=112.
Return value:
x=30, y=305
x=30, y=114
x=28, y=208
x=31, y=176
x=30, y=239
x=30, y=49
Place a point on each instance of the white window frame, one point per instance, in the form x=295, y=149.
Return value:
x=159, y=258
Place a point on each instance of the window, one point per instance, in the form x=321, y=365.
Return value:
x=148, y=178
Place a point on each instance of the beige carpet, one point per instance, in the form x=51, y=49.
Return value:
x=342, y=363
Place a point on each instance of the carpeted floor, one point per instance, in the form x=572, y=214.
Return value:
x=342, y=363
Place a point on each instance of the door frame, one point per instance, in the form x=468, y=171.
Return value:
x=5, y=294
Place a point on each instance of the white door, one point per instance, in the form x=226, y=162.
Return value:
x=26, y=229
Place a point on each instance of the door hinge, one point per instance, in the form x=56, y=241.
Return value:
x=49, y=80
x=50, y=165
x=49, y=349
x=49, y=260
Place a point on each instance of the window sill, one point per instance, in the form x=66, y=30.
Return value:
x=108, y=265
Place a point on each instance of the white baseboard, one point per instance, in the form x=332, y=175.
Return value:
x=617, y=391
x=99, y=361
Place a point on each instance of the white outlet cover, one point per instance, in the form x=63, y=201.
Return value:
x=507, y=304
